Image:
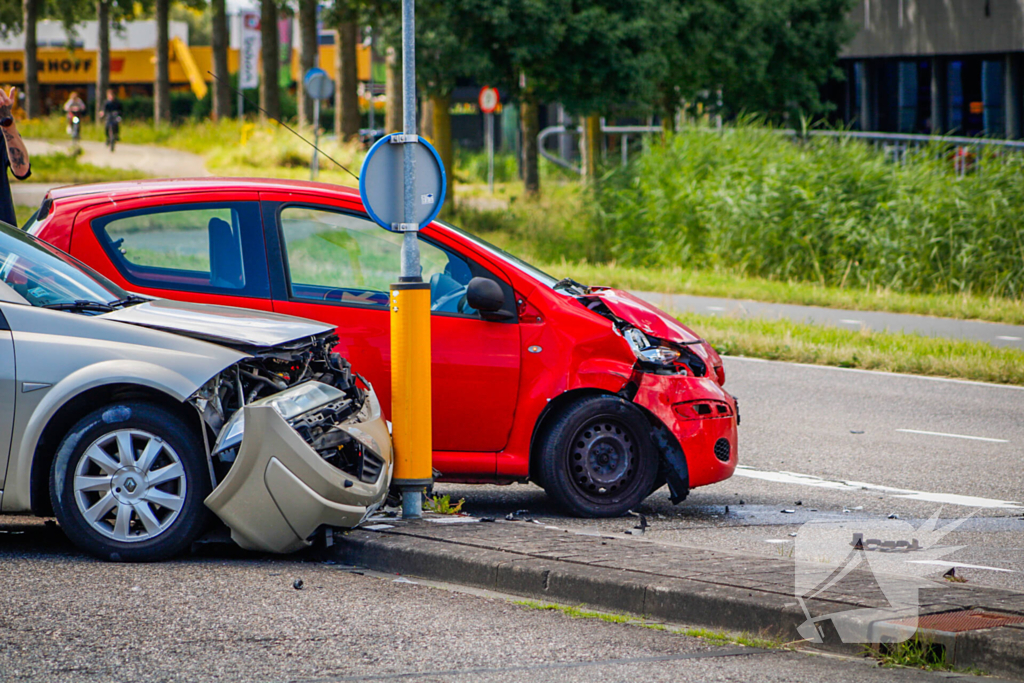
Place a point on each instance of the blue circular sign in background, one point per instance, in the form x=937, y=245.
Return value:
x=318, y=84
x=381, y=183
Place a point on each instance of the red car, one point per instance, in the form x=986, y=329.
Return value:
x=588, y=391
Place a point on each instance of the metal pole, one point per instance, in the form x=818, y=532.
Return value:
x=314, y=164
x=410, y=244
x=412, y=500
x=241, y=104
x=490, y=150
x=373, y=123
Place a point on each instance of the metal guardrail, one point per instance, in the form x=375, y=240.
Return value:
x=624, y=131
x=913, y=139
x=898, y=143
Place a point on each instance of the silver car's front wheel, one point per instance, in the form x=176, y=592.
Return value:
x=129, y=480
x=130, y=485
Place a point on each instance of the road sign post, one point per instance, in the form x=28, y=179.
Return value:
x=422, y=192
x=248, y=56
x=489, y=100
x=319, y=86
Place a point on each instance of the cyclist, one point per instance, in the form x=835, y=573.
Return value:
x=75, y=109
x=112, y=115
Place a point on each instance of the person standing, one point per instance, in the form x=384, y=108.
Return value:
x=13, y=155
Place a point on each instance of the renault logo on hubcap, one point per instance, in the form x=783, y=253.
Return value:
x=130, y=485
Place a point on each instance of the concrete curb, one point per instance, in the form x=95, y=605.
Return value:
x=998, y=651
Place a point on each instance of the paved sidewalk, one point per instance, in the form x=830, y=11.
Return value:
x=669, y=582
x=996, y=334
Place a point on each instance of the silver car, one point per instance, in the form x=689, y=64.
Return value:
x=130, y=419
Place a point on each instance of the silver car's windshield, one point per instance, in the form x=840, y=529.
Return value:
x=46, y=276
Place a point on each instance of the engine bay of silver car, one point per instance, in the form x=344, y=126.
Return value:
x=313, y=388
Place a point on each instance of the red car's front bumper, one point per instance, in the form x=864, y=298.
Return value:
x=703, y=418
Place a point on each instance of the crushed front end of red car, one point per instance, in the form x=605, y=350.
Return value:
x=678, y=379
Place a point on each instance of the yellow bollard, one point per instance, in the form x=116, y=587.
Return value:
x=410, y=387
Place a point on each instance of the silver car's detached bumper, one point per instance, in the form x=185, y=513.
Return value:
x=280, y=490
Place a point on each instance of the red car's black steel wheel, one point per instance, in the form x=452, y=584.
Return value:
x=597, y=458
x=602, y=458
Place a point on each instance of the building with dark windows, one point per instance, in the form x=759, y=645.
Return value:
x=934, y=66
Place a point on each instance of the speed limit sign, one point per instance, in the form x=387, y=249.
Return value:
x=488, y=99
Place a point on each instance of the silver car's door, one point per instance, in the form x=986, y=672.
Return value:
x=7, y=394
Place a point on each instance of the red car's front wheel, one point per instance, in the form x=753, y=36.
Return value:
x=597, y=458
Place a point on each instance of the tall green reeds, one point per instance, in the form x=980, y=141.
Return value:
x=836, y=212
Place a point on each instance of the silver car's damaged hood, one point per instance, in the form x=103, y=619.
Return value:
x=219, y=324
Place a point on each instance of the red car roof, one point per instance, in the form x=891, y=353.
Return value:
x=177, y=185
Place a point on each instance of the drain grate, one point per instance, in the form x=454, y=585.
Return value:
x=962, y=620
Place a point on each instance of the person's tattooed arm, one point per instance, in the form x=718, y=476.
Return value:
x=16, y=152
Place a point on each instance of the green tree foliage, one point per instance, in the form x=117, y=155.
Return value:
x=767, y=56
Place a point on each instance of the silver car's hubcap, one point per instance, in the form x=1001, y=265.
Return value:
x=130, y=485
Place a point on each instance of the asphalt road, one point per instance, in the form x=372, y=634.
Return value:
x=229, y=616
x=996, y=334
x=904, y=445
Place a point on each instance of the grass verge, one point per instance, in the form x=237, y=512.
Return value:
x=865, y=349
x=732, y=285
x=23, y=212
x=231, y=147
x=717, y=637
x=538, y=230
x=65, y=168
x=916, y=653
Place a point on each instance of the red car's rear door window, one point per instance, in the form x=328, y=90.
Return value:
x=203, y=247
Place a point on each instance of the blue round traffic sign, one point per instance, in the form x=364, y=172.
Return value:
x=318, y=84
x=382, y=188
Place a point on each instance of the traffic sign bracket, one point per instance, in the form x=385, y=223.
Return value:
x=405, y=227
x=402, y=138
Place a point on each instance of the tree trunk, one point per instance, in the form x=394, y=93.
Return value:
x=530, y=126
x=346, y=99
x=30, y=16
x=393, y=93
x=162, y=87
x=441, y=108
x=426, y=128
x=591, y=147
x=221, y=87
x=309, y=46
x=668, y=118
x=102, y=54
x=270, y=88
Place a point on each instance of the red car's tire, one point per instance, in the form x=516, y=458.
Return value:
x=596, y=457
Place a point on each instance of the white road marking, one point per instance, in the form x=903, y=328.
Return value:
x=843, y=485
x=848, y=321
x=1004, y=338
x=715, y=308
x=959, y=564
x=879, y=373
x=954, y=436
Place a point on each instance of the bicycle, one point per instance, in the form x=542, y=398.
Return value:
x=113, y=131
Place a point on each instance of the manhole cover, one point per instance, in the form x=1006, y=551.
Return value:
x=963, y=620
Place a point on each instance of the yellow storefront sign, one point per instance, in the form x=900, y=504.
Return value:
x=61, y=67
x=58, y=66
